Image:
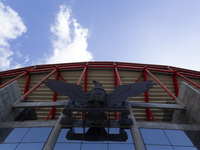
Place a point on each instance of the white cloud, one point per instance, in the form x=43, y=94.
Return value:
x=11, y=26
x=69, y=39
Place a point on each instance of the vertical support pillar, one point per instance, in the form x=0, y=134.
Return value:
x=116, y=78
x=79, y=81
x=146, y=97
x=137, y=138
x=26, y=88
x=54, y=98
x=175, y=83
x=49, y=145
x=85, y=82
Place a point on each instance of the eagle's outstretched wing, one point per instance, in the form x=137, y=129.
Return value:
x=75, y=92
x=122, y=92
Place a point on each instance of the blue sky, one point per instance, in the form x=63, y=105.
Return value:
x=160, y=32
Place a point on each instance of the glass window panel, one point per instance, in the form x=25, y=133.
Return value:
x=30, y=146
x=37, y=135
x=194, y=137
x=121, y=147
x=130, y=139
x=79, y=130
x=94, y=146
x=184, y=148
x=16, y=135
x=70, y=146
x=154, y=136
x=177, y=137
x=8, y=146
x=159, y=147
x=117, y=131
x=4, y=132
x=114, y=130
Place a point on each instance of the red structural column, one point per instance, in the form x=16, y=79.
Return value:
x=26, y=88
x=62, y=78
x=165, y=88
x=54, y=98
x=151, y=115
x=13, y=80
x=85, y=82
x=79, y=81
x=188, y=80
x=139, y=78
x=175, y=83
x=146, y=98
x=116, y=78
x=47, y=117
x=117, y=74
x=38, y=84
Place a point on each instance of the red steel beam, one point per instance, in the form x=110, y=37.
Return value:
x=27, y=84
x=115, y=84
x=120, y=83
x=165, y=88
x=11, y=74
x=79, y=81
x=188, y=80
x=47, y=117
x=54, y=98
x=62, y=78
x=146, y=98
x=117, y=74
x=139, y=78
x=85, y=88
x=175, y=84
x=38, y=84
x=151, y=114
x=115, y=78
x=85, y=82
x=13, y=80
x=192, y=75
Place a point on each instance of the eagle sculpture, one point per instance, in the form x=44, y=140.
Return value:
x=98, y=95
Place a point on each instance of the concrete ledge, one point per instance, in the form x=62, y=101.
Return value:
x=171, y=126
x=27, y=124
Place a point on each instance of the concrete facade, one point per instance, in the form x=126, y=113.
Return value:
x=190, y=97
x=8, y=95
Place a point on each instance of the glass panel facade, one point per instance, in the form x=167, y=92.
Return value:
x=156, y=139
x=115, y=139
x=25, y=138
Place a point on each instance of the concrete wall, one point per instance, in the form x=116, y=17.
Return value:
x=8, y=95
x=191, y=98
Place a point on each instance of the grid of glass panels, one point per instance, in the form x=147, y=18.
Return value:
x=156, y=139
x=24, y=138
x=63, y=143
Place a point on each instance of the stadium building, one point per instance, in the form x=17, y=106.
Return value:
x=166, y=116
